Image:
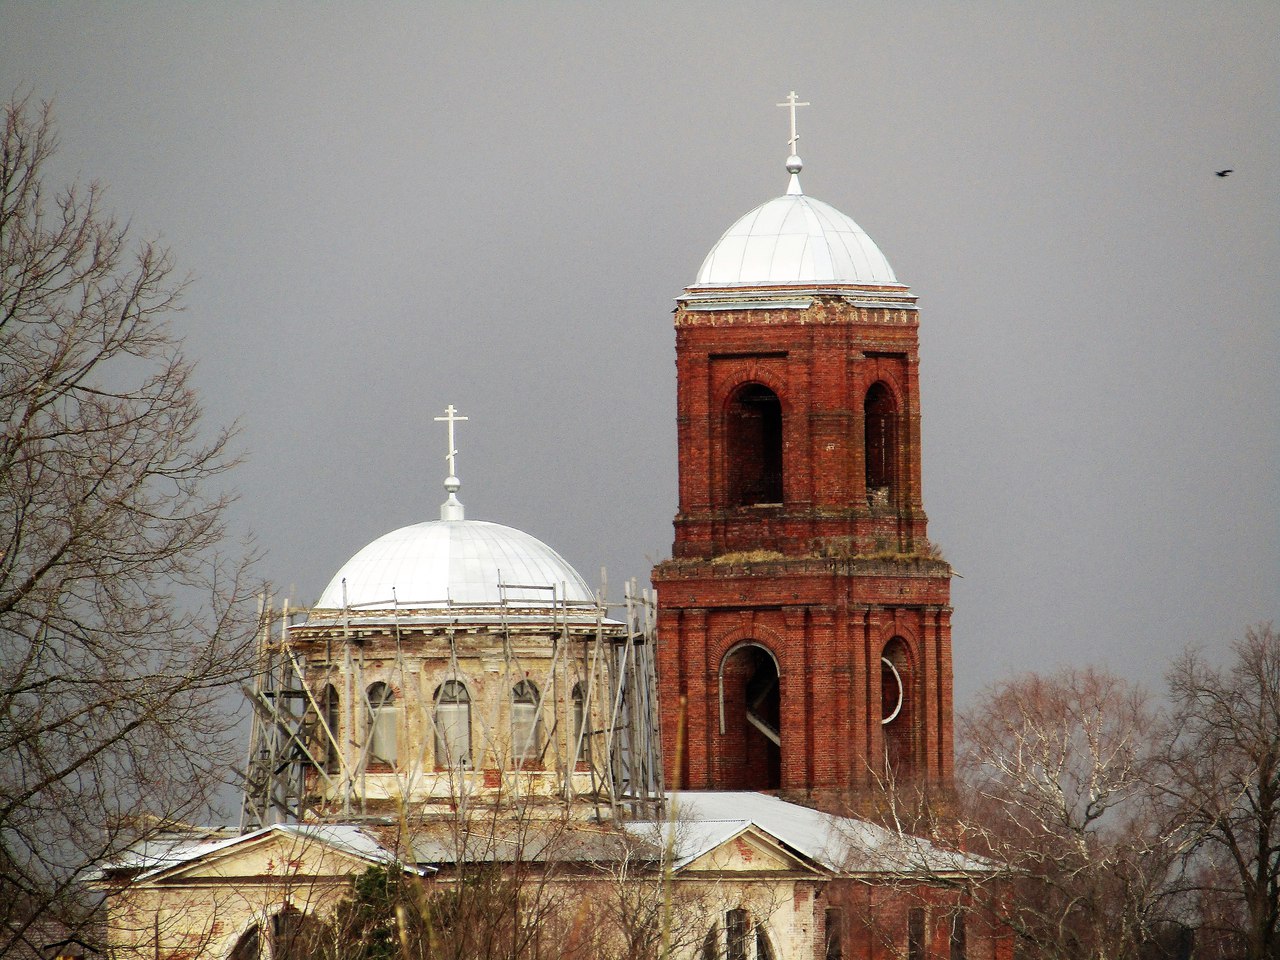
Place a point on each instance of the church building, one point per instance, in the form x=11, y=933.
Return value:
x=671, y=774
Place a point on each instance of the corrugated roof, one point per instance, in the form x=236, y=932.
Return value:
x=153, y=859
x=447, y=842
x=705, y=819
x=701, y=822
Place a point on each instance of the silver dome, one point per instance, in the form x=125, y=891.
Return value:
x=454, y=561
x=798, y=240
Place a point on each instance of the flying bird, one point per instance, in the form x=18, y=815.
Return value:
x=1224, y=173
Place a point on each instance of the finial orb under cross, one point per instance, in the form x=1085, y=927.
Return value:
x=451, y=509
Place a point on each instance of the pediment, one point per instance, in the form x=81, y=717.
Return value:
x=753, y=851
x=275, y=857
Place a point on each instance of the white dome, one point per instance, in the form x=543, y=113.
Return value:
x=795, y=239
x=458, y=561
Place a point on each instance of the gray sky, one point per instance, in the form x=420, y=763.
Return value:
x=390, y=207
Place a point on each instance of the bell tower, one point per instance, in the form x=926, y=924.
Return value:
x=804, y=635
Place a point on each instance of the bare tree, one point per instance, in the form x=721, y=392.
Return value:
x=636, y=912
x=501, y=893
x=121, y=619
x=1221, y=772
x=1057, y=772
x=526, y=882
x=643, y=909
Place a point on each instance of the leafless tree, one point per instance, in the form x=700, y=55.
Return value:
x=1056, y=784
x=1221, y=771
x=635, y=909
x=121, y=613
x=643, y=909
x=526, y=882
x=504, y=883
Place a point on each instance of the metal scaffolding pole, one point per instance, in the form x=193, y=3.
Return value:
x=283, y=730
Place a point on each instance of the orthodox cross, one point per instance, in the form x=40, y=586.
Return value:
x=792, y=102
x=451, y=417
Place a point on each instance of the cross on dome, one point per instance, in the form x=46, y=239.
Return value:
x=451, y=417
x=794, y=166
x=451, y=509
x=792, y=102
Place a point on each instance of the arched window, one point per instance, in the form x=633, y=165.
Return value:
x=711, y=943
x=330, y=736
x=834, y=936
x=249, y=946
x=753, y=431
x=453, y=725
x=526, y=724
x=384, y=717
x=580, y=745
x=880, y=419
x=764, y=949
x=917, y=944
x=743, y=939
x=296, y=936
x=959, y=949
x=897, y=709
x=735, y=934
x=288, y=935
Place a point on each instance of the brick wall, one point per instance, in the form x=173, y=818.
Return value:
x=822, y=580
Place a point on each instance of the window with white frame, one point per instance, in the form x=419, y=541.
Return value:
x=526, y=724
x=581, y=742
x=384, y=723
x=453, y=725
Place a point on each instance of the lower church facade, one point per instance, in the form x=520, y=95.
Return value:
x=725, y=875
x=462, y=750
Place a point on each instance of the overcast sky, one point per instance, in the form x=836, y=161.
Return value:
x=391, y=207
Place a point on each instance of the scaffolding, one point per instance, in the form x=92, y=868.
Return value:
x=295, y=756
x=283, y=730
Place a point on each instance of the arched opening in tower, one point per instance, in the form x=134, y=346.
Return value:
x=750, y=756
x=754, y=428
x=898, y=711
x=880, y=419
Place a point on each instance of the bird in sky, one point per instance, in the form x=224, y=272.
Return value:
x=1224, y=173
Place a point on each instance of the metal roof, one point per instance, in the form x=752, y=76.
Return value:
x=473, y=616
x=704, y=820
x=454, y=561
x=699, y=823
x=504, y=841
x=794, y=239
x=153, y=858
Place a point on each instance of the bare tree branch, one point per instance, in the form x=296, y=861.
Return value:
x=121, y=621
x=1221, y=772
x=1056, y=780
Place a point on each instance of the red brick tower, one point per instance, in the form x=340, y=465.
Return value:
x=803, y=615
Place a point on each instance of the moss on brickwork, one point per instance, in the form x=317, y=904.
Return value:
x=747, y=556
